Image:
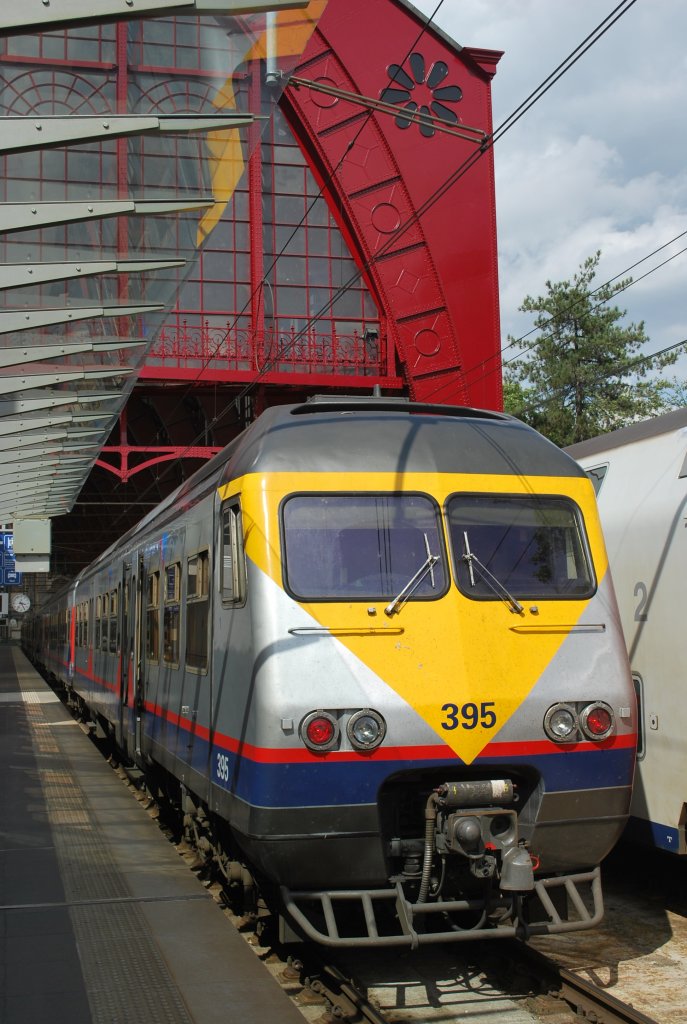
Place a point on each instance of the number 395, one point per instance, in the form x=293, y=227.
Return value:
x=469, y=716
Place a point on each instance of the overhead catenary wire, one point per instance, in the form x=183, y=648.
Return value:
x=497, y=369
x=605, y=284
x=234, y=404
x=598, y=305
x=557, y=393
x=430, y=200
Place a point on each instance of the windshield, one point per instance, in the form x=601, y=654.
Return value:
x=533, y=546
x=361, y=546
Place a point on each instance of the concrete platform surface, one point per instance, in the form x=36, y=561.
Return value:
x=101, y=922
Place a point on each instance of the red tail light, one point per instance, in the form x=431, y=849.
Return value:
x=597, y=721
x=319, y=731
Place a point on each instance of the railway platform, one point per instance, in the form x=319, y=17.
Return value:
x=100, y=920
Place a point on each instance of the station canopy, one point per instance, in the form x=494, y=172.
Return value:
x=107, y=199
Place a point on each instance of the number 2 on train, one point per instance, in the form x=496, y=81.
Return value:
x=469, y=716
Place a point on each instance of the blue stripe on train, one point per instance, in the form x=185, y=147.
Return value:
x=310, y=784
x=652, y=833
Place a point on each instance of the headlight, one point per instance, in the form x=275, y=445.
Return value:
x=596, y=720
x=319, y=731
x=560, y=723
x=366, y=729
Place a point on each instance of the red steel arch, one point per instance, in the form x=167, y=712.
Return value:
x=436, y=282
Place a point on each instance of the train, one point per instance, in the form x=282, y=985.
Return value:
x=372, y=652
x=640, y=475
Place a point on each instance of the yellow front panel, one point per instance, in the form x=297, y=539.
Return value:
x=451, y=652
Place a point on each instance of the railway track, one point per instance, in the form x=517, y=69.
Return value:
x=523, y=988
x=434, y=985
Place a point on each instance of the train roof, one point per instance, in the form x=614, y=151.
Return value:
x=393, y=435
x=654, y=427
x=369, y=434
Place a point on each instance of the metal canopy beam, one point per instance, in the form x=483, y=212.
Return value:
x=28, y=423
x=19, y=275
x=35, y=401
x=13, y=455
x=37, y=498
x=20, y=356
x=51, y=14
x=20, y=134
x=28, y=487
x=43, y=375
x=29, y=319
x=27, y=510
x=54, y=444
x=27, y=216
x=25, y=424
x=52, y=438
x=66, y=479
x=38, y=474
x=10, y=473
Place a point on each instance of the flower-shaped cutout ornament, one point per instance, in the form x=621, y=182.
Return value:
x=421, y=93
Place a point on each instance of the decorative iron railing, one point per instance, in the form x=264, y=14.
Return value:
x=225, y=348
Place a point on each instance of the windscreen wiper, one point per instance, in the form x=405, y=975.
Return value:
x=472, y=561
x=412, y=584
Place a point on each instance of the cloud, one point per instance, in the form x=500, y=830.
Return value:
x=600, y=161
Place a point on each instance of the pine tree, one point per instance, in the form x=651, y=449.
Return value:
x=584, y=373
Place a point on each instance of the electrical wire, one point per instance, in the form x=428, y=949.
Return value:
x=434, y=197
x=559, y=393
x=572, y=306
x=269, y=364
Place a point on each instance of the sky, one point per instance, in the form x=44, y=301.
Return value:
x=600, y=162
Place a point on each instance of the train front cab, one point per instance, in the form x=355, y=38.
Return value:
x=469, y=628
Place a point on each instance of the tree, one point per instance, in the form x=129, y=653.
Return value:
x=584, y=373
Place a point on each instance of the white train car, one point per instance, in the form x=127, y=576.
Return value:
x=640, y=475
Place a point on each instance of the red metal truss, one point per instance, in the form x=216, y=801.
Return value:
x=424, y=244
x=432, y=263
x=150, y=455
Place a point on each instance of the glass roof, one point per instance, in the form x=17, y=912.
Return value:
x=121, y=144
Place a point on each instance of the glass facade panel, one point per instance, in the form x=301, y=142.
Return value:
x=274, y=245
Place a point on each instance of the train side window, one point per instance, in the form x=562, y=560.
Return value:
x=153, y=617
x=233, y=579
x=84, y=625
x=125, y=630
x=197, y=607
x=98, y=613
x=105, y=620
x=170, y=619
x=114, y=615
x=639, y=693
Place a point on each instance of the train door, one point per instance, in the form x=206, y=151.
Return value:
x=194, y=712
x=138, y=653
x=71, y=635
x=125, y=591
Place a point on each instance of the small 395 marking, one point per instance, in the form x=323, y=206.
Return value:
x=470, y=715
x=222, y=767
